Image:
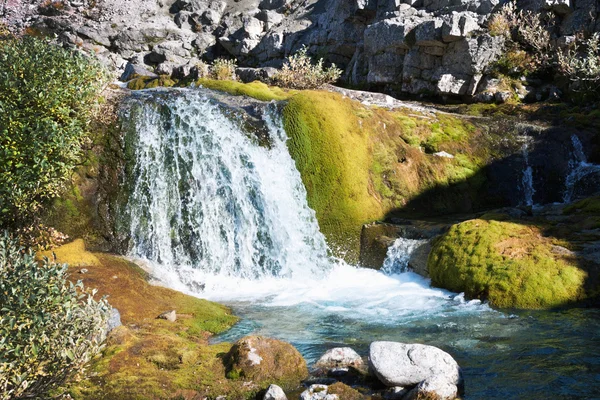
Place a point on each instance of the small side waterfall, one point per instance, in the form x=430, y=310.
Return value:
x=207, y=197
x=399, y=255
x=579, y=169
x=527, y=179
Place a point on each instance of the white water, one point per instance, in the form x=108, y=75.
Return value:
x=221, y=217
x=579, y=168
x=399, y=254
x=527, y=179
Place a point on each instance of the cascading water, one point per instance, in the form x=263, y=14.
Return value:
x=527, y=179
x=209, y=200
x=579, y=168
x=220, y=216
x=399, y=254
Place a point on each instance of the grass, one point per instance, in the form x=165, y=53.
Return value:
x=257, y=90
x=590, y=205
x=148, y=358
x=509, y=264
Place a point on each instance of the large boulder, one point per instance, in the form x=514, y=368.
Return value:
x=274, y=392
x=401, y=364
x=264, y=360
x=510, y=264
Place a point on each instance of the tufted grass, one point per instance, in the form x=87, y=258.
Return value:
x=509, y=264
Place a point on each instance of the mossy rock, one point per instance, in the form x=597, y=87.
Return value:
x=266, y=361
x=507, y=263
x=589, y=206
x=257, y=90
x=344, y=392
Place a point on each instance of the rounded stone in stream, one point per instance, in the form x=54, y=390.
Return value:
x=264, y=361
x=274, y=392
x=401, y=364
x=339, y=357
x=433, y=388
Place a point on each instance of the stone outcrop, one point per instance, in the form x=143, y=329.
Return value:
x=411, y=46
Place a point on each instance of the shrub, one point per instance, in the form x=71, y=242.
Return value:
x=49, y=327
x=47, y=98
x=299, y=72
x=223, y=70
x=581, y=65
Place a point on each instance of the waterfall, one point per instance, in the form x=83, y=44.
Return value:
x=208, y=199
x=527, y=179
x=399, y=254
x=578, y=169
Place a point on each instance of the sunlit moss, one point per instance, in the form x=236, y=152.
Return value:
x=509, y=264
x=256, y=89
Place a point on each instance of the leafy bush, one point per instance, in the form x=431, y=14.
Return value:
x=49, y=327
x=300, y=73
x=47, y=97
x=223, y=70
x=581, y=65
x=531, y=49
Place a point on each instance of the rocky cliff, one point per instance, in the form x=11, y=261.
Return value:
x=440, y=47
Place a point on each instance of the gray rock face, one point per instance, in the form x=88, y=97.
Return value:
x=400, y=364
x=412, y=46
x=274, y=392
x=340, y=357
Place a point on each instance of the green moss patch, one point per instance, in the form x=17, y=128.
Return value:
x=591, y=206
x=149, y=358
x=509, y=264
x=257, y=90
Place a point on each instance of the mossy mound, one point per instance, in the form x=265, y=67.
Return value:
x=509, y=264
x=359, y=163
x=266, y=361
x=344, y=392
x=149, y=358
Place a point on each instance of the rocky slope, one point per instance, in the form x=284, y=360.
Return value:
x=438, y=47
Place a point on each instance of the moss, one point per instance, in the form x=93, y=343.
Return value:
x=256, y=89
x=280, y=363
x=145, y=82
x=591, y=205
x=509, y=264
x=344, y=392
x=148, y=357
x=332, y=153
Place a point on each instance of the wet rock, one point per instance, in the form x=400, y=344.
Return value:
x=395, y=393
x=401, y=364
x=265, y=360
x=170, y=316
x=433, y=388
x=274, y=392
x=340, y=357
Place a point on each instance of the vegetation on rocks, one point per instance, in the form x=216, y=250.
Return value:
x=299, y=72
x=47, y=98
x=149, y=357
x=507, y=263
x=50, y=328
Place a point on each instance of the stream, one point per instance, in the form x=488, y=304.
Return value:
x=220, y=216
